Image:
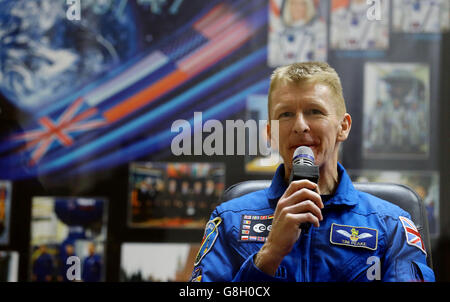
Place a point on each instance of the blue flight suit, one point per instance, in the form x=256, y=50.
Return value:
x=92, y=268
x=43, y=267
x=361, y=238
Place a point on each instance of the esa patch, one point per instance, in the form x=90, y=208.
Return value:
x=209, y=237
x=255, y=228
x=354, y=236
x=412, y=234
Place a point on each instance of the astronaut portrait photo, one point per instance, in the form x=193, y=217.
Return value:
x=351, y=29
x=396, y=111
x=421, y=16
x=297, y=32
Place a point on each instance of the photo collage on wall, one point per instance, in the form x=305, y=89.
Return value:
x=396, y=97
x=168, y=195
x=64, y=227
x=174, y=195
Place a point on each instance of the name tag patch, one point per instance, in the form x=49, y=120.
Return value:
x=354, y=236
x=255, y=228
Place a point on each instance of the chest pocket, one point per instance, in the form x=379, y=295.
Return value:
x=344, y=262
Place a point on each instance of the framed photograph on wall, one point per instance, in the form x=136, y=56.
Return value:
x=174, y=195
x=351, y=28
x=396, y=111
x=65, y=227
x=424, y=183
x=5, y=210
x=297, y=31
x=424, y=16
x=9, y=266
x=157, y=262
x=266, y=158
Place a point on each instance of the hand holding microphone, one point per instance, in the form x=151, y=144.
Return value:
x=303, y=168
x=299, y=207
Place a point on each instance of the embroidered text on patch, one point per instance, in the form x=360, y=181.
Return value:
x=353, y=236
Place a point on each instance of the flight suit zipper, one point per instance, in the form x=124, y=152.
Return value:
x=306, y=246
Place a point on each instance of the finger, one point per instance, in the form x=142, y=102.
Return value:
x=300, y=218
x=304, y=207
x=301, y=195
x=299, y=184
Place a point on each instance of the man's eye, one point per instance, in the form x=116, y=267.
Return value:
x=285, y=114
x=315, y=111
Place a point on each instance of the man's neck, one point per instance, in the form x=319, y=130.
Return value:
x=329, y=179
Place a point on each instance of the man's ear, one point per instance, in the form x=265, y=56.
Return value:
x=344, y=128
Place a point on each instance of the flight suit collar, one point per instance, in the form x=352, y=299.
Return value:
x=345, y=193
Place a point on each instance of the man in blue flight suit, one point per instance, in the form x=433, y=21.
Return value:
x=92, y=265
x=353, y=236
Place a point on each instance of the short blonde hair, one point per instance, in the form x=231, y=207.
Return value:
x=309, y=72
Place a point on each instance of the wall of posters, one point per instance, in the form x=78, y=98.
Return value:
x=62, y=227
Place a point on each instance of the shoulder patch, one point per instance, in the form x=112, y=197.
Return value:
x=412, y=234
x=354, y=236
x=209, y=237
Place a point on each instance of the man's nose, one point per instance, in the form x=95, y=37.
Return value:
x=301, y=124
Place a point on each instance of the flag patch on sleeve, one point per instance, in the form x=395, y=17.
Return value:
x=412, y=234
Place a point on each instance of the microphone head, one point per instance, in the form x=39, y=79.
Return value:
x=303, y=155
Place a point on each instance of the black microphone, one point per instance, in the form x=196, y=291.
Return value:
x=303, y=168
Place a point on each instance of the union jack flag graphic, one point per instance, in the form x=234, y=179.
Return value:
x=412, y=234
x=71, y=120
x=129, y=110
